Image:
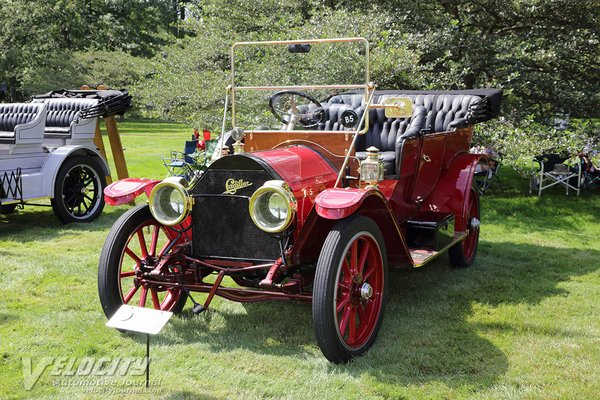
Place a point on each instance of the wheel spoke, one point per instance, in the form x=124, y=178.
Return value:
x=369, y=273
x=165, y=305
x=70, y=199
x=168, y=300
x=342, y=302
x=362, y=261
x=155, y=301
x=354, y=257
x=352, y=330
x=143, y=296
x=130, y=294
x=142, y=240
x=154, y=240
x=345, y=319
x=165, y=247
x=346, y=270
x=131, y=254
x=362, y=315
x=126, y=274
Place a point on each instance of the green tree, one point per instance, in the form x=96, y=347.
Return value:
x=38, y=39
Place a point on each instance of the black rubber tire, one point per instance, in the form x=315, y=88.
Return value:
x=326, y=277
x=8, y=209
x=61, y=186
x=458, y=258
x=110, y=260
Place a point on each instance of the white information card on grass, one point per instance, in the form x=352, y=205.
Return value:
x=138, y=319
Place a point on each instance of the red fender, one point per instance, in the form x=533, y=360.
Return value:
x=125, y=190
x=339, y=203
x=333, y=204
x=453, y=190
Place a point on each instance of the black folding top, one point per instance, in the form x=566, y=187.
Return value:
x=111, y=102
x=491, y=98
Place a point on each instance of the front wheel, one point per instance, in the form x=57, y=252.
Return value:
x=78, y=190
x=134, y=246
x=463, y=253
x=349, y=289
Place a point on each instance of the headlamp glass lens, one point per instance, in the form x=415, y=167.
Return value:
x=169, y=204
x=271, y=209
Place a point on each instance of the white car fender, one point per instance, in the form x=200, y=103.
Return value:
x=57, y=157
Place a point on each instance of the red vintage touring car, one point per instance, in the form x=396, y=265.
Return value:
x=317, y=210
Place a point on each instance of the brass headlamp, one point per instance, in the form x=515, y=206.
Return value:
x=273, y=206
x=170, y=201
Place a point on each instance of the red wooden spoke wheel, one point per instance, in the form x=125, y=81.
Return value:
x=349, y=291
x=463, y=254
x=133, y=247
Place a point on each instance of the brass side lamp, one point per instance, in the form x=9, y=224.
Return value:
x=371, y=169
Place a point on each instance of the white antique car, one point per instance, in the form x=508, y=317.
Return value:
x=47, y=152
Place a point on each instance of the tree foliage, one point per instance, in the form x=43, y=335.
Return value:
x=39, y=39
x=174, y=55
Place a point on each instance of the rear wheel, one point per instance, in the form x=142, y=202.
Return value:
x=134, y=245
x=463, y=254
x=349, y=289
x=78, y=190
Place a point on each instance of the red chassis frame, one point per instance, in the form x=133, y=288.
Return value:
x=436, y=173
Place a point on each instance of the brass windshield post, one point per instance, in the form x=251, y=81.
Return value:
x=356, y=133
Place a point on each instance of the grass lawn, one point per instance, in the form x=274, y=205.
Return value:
x=522, y=323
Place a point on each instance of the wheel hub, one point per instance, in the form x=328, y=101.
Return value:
x=475, y=223
x=366, y=291
x=361, y=291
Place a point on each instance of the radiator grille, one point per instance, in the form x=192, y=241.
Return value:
x=222, y=225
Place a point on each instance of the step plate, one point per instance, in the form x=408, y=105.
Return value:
x=421, y=256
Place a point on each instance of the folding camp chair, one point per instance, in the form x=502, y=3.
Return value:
x=180, y=163
x=486, y=175
x=553, y=172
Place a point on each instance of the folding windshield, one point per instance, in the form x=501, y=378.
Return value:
x=283, y=84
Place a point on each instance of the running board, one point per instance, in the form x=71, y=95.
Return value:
x=421, y=257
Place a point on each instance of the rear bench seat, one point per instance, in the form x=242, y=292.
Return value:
x=22, y=123
x=62, y=120
x=431, y=113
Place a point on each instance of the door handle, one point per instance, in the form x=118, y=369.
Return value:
x=426, y=158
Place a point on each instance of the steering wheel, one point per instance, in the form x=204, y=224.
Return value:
x=292, y=107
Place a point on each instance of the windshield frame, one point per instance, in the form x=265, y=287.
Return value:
x=366, y=85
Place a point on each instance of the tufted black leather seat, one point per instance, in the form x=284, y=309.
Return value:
x=444, y=111
x=14, y=114
x=388, y=134
x=431, y=113
x=61, y=114
x=384, y=133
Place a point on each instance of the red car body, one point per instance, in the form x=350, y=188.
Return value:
x=336, y=250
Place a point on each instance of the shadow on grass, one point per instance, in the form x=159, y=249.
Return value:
x=185, y=395
x=40, y=223
x=426, y=335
